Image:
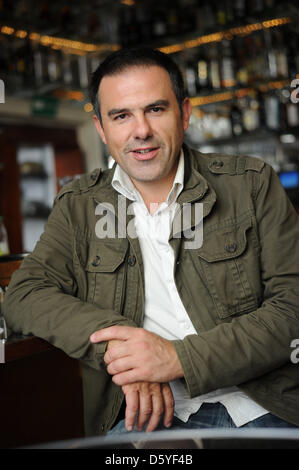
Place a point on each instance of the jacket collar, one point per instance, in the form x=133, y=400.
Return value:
x=196, y=188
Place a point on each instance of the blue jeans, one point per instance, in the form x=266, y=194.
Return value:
x=213, y=415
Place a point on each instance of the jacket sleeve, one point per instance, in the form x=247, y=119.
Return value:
x=256, y=343
x=42, y=300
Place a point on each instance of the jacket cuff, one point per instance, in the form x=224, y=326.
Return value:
x=186, y=363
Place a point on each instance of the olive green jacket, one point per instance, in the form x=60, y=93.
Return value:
x=240, y=288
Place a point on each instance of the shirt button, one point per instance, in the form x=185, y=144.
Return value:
x=131, y=260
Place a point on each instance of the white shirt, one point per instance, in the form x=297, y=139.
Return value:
x=165, y=313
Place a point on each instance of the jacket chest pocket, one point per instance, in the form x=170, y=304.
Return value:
x=231, y=268
x=106, y=274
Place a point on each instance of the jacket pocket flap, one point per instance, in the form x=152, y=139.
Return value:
x=105, y=256
x=225, y=243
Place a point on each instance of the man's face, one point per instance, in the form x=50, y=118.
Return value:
x=142, y=124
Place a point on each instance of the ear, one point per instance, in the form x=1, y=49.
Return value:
x=99, y=128
x=187, y=110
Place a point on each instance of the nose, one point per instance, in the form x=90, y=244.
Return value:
x=142, y=129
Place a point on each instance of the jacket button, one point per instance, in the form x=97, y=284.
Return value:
x=131, y=260
x=217, y=164
x=231, y=247
x=96, y=261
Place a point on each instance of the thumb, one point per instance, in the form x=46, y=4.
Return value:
x=113, y=332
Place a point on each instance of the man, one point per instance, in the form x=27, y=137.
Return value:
x=191, y=335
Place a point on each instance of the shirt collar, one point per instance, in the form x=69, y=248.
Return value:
x=122, y=183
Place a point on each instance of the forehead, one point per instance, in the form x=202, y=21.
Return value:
x=136, y=85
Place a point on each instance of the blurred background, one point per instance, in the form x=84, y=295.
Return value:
x=240, y=62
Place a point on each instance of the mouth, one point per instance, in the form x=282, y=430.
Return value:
x=145, y=153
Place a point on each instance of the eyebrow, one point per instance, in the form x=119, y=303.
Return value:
x=115, y=111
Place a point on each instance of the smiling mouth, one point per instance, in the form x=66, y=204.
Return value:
x=145, y=153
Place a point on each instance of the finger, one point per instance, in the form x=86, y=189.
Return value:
x=158, y=408
x=132, y=407
x=112, y=332
x=168, y=405
x=145, y=406
x=118, y=351
x=128, y=377
x=121, y=365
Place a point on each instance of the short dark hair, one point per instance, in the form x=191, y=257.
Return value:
x=135, y=56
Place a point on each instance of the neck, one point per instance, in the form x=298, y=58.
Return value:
x=154, y=193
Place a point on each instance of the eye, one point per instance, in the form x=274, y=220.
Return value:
x=156, y=109
x=120, y=117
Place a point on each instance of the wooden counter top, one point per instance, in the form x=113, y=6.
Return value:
x=19, y=347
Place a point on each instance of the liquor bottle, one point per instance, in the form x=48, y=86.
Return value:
x=187, y=16
x=54, y=65
x=159, y=23
x=281, y=56
x=204, y=17
x=236, y=118
x=259, y=59
x=292, y=114
x=173, y=20
x=67, y=72
x=227, y=65
x=190, y=76
x=239, y=8
x=128, y=26
x=4, y=247
x=270, y=5
x=40, y=64
x=202, y=70
x=44, y=13
x=229, y=11
x=272, y=111
x=66, y=17
x=241, y=59
x=220, y=13
x=144, y=20
x=256, y=8
x=83, y=68
x=271, y=56
x=29, y=63
x=251, y=112
x=289, y=111
x=214, y=68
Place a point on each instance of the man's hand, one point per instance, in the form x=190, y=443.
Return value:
x=149, y=401
x=140, y=356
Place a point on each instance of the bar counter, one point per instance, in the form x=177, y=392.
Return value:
x=40, y=393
